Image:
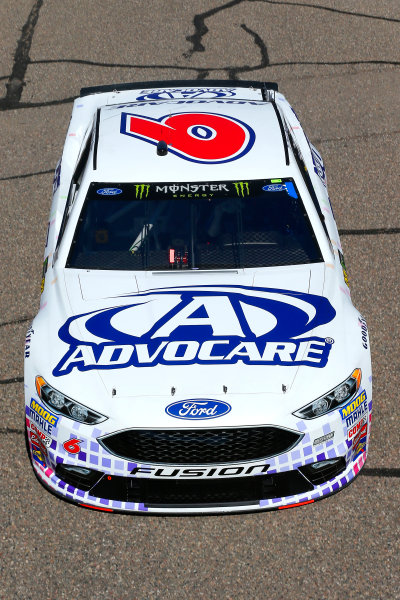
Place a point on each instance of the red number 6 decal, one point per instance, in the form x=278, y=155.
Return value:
x=199, y=137
x=72, y=446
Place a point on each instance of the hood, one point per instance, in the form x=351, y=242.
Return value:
x=198, y=333
x=269, y=337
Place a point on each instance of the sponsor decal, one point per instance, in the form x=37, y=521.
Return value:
x=242, y=188
x=360, y=439
x=354, y=409
x=39, y=435
x=42, y=417
x=141, y=191
x=198, y=137
x=206, y=325
x=361, y=447
x=57, y=178
x=192, y=188
x=323, y=438
x=200, y=471
x=198, y=408
x=364, y=332
x=275, y=187
x=109, y=191
x=38, y=455
x=182, y=101
x=345, y=276
x=355, y=430
x=28, y=337
x=72, y=446
x=38, y=448
x=318, y=163
x=162, y=94
x=287, y=187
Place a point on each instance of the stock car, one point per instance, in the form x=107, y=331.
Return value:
x=196, y=348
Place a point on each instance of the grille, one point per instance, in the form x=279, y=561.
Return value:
x=200, y=446
x=234, y=490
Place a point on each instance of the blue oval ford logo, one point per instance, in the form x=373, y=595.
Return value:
x=199, y=408
x=109, y=191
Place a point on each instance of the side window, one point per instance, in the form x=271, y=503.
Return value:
x=74, y=188
x=309, y=185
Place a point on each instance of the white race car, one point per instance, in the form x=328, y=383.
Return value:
x=196, y=349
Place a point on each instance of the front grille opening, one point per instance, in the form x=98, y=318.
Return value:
x=323, y=470
x=200, y=446
x=217, y=492
x=79, y=477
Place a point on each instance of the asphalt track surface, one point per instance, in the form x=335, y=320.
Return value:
x=338, y=63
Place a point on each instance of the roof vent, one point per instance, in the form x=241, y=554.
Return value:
x=162, y=148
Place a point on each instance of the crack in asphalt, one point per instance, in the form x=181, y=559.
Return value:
x=335, y=63
x=11, y=380
x=24, y=175
x=201, y=29
x=37, y=104
x=21, y=58
x=329, y=9
x=92, y=63
x=381, y=472
x=11, y=430
x=363, y=136
x=375, y=231
x=201, y=73
x=16, y=321
x=16, y=81
x=264, y=58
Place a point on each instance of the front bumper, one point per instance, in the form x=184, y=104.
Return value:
x=107, y=482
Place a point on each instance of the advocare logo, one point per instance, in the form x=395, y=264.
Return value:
x=198, y=408
x=204, y=325
x=171, y=93
x=198, y=137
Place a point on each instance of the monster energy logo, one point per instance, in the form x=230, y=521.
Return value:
x=242, y=188
x=141, y=191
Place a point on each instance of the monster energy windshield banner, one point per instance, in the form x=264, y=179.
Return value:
x=194, y=225
x=200, y=189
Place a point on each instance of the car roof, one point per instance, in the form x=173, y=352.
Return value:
x=121, y=156
x=99, y=143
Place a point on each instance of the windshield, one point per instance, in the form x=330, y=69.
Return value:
x=215, y=225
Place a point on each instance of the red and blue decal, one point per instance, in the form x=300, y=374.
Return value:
x=360, y=441
x=207, y=138
x=38, y=450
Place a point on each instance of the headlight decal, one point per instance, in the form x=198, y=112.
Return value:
x=65, y=406
x=334, y=399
